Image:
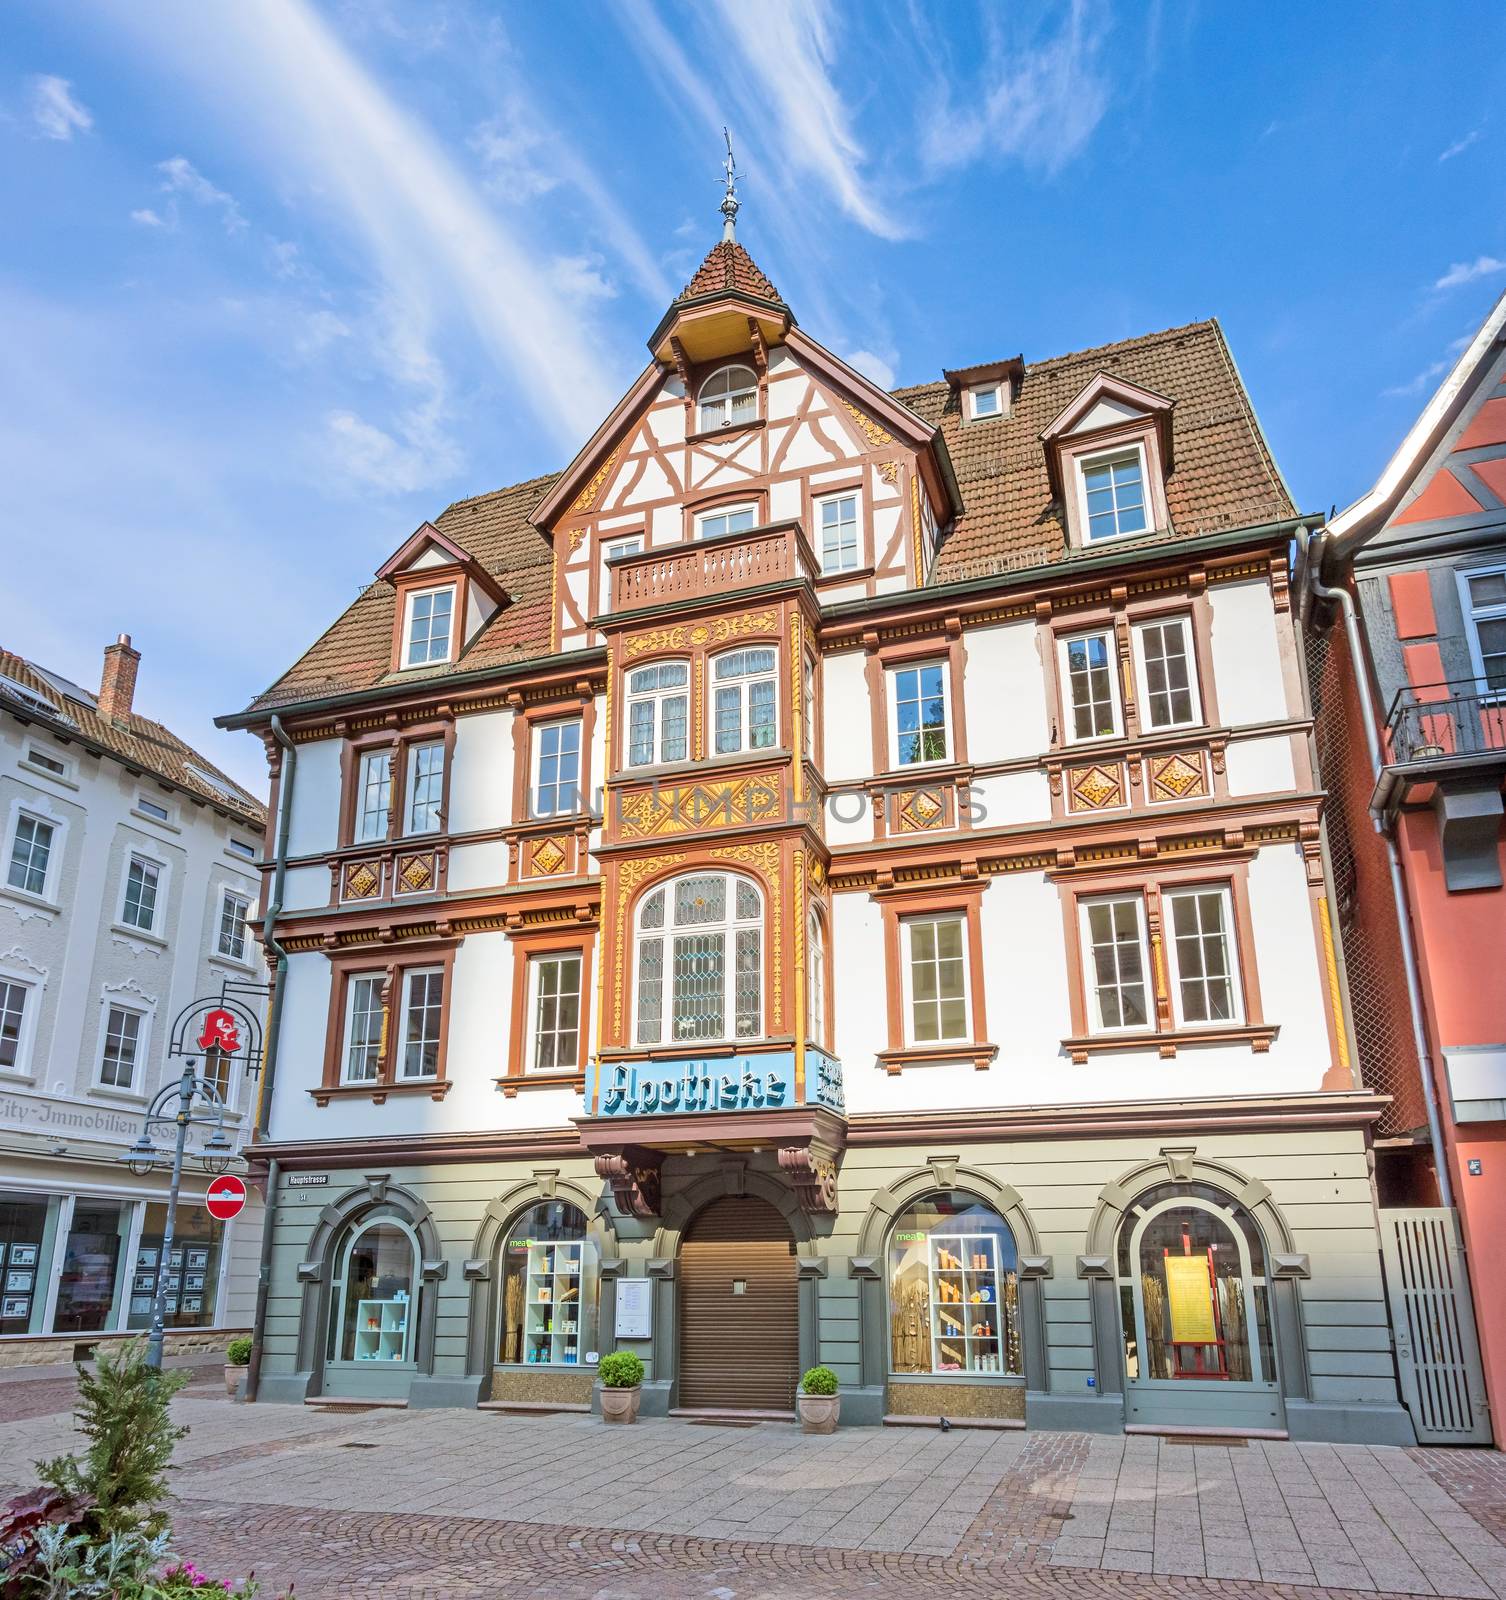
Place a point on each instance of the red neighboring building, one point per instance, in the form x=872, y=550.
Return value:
x=1412, y=739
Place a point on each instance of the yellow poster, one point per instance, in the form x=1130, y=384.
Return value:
x=1189, y=1300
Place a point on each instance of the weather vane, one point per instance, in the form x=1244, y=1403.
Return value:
x=729, y=200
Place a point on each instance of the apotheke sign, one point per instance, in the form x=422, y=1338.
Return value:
x=764, y=1082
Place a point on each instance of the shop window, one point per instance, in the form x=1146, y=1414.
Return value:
x=1087, y=675
x=234, y=909
x=373, y=795
x=556, y=768
x=426, y=637
x=191, y=1270
x=554, y=981
x=374, y=1304
x=743, y=702
x=92, y=1279
x=918, y=697
x=1206, y=986
x=658, y=700
x=549, y=1289
x=1168, y=688
x=425, y=788
x=953, y=1289
x=935, y=977
x=1194, y=1297
x=700, y=956
x=28, y=1231
x=30, y=853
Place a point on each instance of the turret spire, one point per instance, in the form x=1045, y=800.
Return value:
x=729, y=206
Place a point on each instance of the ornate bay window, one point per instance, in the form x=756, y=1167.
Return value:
x=699, y=961
x=745, y=693
x=658, y=713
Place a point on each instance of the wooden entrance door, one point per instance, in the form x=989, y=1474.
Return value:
x=739, y=1308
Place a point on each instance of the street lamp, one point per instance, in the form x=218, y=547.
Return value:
x=143, y=1158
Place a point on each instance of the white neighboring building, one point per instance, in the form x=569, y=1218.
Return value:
x=127, y=875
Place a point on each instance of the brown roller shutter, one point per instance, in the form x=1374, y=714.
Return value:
x=739, y=1351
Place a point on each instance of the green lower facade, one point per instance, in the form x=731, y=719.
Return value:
x=1226, y=1280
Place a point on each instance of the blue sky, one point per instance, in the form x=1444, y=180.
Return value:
x=281, y=278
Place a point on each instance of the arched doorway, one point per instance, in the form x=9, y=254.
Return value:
x=1195, y=1308
x=374, y=1308
x=739, y=1345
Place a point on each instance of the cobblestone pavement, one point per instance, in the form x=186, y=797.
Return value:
x=395, y=1505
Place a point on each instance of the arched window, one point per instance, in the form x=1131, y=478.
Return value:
x=658, y=698
x=549, y=1288
x=743, y=701
x=700, y=957
x=374, y=1306
x=1193, y=1292
x=728, y=396
x=953, y=1288
x=815, y=960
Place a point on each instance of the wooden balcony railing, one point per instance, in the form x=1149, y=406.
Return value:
x=771, y=554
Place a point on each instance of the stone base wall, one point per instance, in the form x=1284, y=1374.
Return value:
x=986, y=1401
x=542, y=1388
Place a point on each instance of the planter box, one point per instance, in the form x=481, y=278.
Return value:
x=620, y=1405
x=818, y=1412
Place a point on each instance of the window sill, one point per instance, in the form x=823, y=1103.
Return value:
x=126, y=931
x=165, y=824
x=242, y=965
x=826, y=580
x=730, y=430
x=33, y=902
x=17, y=1078
x=573, y=1081
x=435, y=1088
x=125, y=1096
x=62, y=780
x=693, y=1047
x=1258, y=1035
x=981, y=1055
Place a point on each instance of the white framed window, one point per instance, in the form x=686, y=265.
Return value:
x=123, y=1047
x=1205, y=977
x=815, y=956
x=31, y=853
x=428, y=625
x=658, y=701
x=985, y=401
x=362, y=1046
x=142, y=893
x=422, y=1015
x=554, y=1005
x=1090, y=703
x=935, y=978
x=425, y=788
x=727, y=397
x=152, y=808
x=373, y=795
x=612, y=551
x=1115, y=963
x=18, y=1003
x=1482, y=598
x=837, y=525
x=725, y=520
x=808, y=706
x=1168, y=678
x=242, y=848
x=1112, y=489
x=743, y=700
x=918, y=714
x=37, y=757
x=700, y=960
x=232, y=936
x=556, y=768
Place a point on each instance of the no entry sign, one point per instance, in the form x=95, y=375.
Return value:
x=226, y=1198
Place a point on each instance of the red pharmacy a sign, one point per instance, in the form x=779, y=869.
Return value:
x=220, y=1032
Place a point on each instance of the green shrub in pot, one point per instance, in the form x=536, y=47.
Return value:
x=238, y=1353
x=620, y=1370
x=819, y=1380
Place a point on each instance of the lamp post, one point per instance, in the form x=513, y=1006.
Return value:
x=143, y=1158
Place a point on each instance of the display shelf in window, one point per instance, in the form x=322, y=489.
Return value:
x=381, y=1330
x=971, y=1314
x=560, y=1282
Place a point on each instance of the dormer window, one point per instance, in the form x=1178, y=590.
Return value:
x=985, y=401
x=430, y=623
x=728, y=397
x=1113, y=488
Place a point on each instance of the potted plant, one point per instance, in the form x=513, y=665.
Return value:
x=818, y=1401
x=237, y=1359
x=621, y=1375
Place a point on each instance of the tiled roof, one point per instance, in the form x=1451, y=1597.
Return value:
x=728, y=266
x=1222, y=477
x=135, y=740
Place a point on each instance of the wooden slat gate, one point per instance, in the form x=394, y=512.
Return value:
x=1433, y=1321
x=739, y=1308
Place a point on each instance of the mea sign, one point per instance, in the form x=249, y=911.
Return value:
x=226, y=1198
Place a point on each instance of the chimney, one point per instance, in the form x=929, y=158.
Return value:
x=117, y=684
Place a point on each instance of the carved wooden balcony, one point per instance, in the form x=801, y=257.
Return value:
x=748, y=559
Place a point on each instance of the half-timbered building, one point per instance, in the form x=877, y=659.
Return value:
x=830, y=875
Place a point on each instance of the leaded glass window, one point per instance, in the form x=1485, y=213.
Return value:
x=702, y=938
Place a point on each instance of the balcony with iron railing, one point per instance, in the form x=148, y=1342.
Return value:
x=1462, y=721
x=751, y=558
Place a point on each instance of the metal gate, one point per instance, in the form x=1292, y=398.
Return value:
x=1433, y=1320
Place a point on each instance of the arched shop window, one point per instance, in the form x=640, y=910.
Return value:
x=549, y=1284
x=374, y=1307
x=953, y=1289
x=1193, y=1292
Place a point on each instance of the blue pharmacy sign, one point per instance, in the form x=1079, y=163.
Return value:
x=762, y=1081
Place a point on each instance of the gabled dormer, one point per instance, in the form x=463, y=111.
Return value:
x=444, y=599
x=1108, y=453
x=987, y=392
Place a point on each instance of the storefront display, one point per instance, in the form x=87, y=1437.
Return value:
x=373, y=1313
x=192, y=1275
x=28, y=1228
x=549, y=1289
x=92, y=1280
x=953, y=1290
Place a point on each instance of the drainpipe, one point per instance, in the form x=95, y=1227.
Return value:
x=1345, y=601
x=274, y=1035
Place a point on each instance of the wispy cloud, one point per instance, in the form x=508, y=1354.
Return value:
x=181, y=177
x=1430, y=373
x=1459, y=146
x=145, y=217
x=1463, y=272
x=872, y=366
x=56, y=112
